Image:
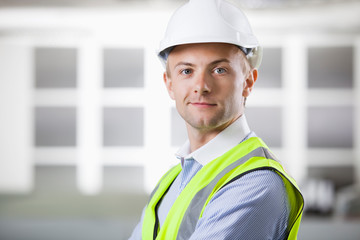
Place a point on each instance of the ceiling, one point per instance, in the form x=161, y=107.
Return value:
x=252, y=4
x=267, y=16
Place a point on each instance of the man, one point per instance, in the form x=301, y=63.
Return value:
x=227, y=185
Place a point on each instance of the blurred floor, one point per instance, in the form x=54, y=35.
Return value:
x=58, y=217
x=329, y=229
x=113, y=216
x=60, y=229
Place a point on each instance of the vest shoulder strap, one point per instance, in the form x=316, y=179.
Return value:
x=295, y=198
x=151, y=220
x=181, y=220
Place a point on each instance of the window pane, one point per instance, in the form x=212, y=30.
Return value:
x=55, y=179
x=178, y=129
x=55, y=67
x=266, y=123
x=55, y=126
x=330, y=127
x=123, y=126
x=270, y=69
x=123, y=179
x=330, y=67
x=340, y=176
x=123, y=68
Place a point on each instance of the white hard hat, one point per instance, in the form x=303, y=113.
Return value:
x=205, y=21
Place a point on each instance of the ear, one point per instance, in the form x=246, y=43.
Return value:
x=249, y=82
x=168, y=84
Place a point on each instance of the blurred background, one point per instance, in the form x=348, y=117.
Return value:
x=87, y=128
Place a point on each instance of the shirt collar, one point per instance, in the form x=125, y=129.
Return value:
x=224, y=141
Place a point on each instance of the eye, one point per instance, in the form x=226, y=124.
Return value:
x=220, y=70
x=186, y=71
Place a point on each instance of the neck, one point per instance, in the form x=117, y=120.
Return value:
x=200, y=137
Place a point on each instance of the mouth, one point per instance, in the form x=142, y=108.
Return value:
x=202, y=104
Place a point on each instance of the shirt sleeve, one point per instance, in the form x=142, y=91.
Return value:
x=252, y=207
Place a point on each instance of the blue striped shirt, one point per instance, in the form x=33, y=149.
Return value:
x=254, y=206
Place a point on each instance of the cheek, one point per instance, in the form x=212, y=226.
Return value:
x=233, y=89
x=179, y=91
x=234, y=96
x=239, y=88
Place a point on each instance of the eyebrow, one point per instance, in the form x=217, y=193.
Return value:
x=220, y=61
x=184, y=64
x=212, y=63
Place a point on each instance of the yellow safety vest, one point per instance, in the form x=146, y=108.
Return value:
x=181, y=220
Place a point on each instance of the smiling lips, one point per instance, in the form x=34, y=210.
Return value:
x=202, y=104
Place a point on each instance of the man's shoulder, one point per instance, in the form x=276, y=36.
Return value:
x=256, y=185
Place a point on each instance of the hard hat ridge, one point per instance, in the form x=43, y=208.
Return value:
x=204, y=21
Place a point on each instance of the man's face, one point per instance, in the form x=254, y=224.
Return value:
x=208, y=83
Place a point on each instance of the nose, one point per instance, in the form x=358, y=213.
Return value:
x=202, y=84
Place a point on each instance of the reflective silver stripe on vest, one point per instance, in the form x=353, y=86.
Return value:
x=158, y=185
x=192, y=214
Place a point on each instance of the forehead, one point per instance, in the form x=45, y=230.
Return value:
x=205, y=51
